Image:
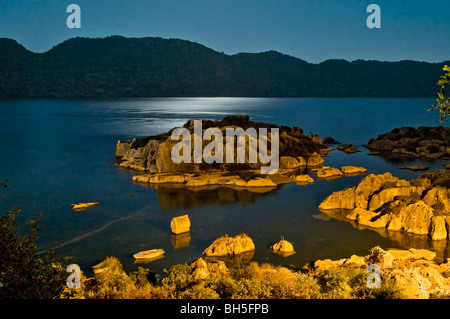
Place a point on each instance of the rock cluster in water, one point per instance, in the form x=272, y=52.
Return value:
x=423, y=142
x=420, y=207
x=153, y=154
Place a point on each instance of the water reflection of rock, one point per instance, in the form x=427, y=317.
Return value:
x=404, y=239
x=180, y=240
x=180, y=196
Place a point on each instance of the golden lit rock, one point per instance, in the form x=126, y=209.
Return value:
x=180, y=224
x=226, y=245
x=283, y=247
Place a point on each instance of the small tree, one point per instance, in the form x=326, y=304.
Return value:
x=443, y=102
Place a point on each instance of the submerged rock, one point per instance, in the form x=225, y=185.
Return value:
x=328, y=172
x=415, y=167
x=353, y=170
x=304, y=178
x=348, y=148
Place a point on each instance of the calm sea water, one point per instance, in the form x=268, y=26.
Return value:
x=58, y=152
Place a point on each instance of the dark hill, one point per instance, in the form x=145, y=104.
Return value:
x=154, y=67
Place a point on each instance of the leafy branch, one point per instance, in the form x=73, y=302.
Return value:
x=443, y=102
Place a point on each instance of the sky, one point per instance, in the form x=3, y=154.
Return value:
x=313, y=30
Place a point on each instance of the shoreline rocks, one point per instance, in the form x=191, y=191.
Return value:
x=414, y=272
x=385, y=201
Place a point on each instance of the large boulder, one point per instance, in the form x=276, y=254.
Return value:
x=344, y=199
x=414, y=219
x=348, y=148
x=369, y=185
x=438, y=198
x=226, y=245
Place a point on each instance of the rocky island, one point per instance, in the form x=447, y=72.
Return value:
x=151, y=155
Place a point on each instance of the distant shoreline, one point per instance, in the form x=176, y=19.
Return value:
x=119, y=67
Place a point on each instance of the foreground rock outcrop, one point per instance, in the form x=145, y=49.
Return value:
x=423, y=142
x=384, y=201
x=400, y=273
x=413, y=272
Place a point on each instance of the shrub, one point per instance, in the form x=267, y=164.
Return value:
x=333, y=284
x=112, y=282
x=23, y=273
x=200, y=291
x=177, y=279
